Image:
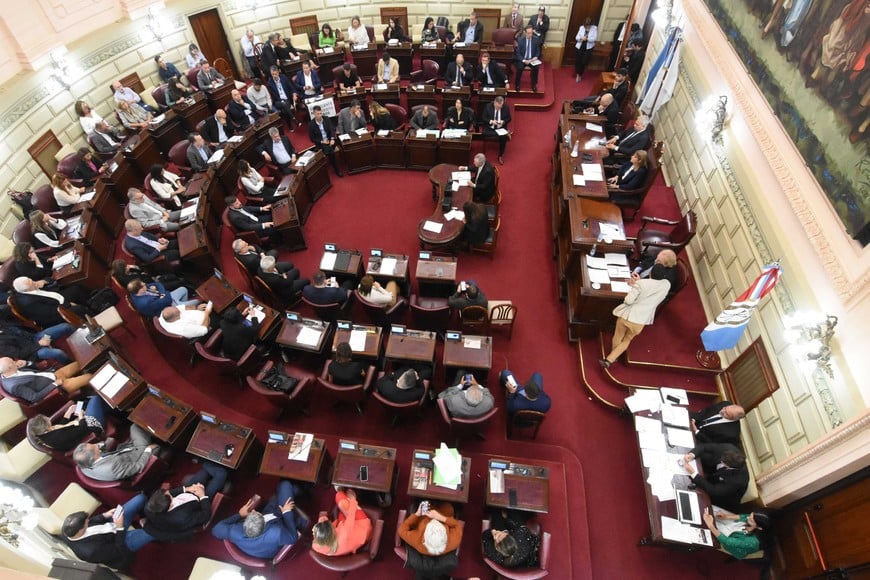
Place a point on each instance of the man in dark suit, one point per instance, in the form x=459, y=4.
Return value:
x=609, y=109
x=719, y=423
x=482, y=178
x=351, y=118
x=634, y=139
x=458, y=73
x=470, y=30
x=496, y=115
x=528, y=51
x=727, y=476
x=103, y=140
x=198, y=153
x=278, y=149
x=216, y=129
x=540, y=23
x=307, y=82
x=32, y=385
x=425, y=118
x=286, y=285
x=126, y=462
x=319, y=292
x=283, y=95
x=268, y=55
x=241, y=111
x=37, y=304
x=528, y=397
x=174, y=514
x=490, y=73
x=402, y=386
x=322, y=134
x=250, y=255
x=146, y=246
x=250, y=218
x=104, y=538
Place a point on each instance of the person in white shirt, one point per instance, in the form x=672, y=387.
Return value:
x=357, y=33
x=166, y=185
x=249, y=42
x=259, y=96
x=46, y=229
x=194, y=57
x=187, y=321
x=150, y=214
x=254, y=183
x=88, y=118
x=373, y=292
x=585, y=43
x=65, y=193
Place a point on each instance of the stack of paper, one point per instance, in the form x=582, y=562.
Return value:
x=109, y=381
x=642, y=423
x=594, y=127
x=598, y=276
x=661, y=484
x=448, y=467
x=304, y=158
x=455, y=214
x=675, y=416
x=614, y=259
x=644, y=400
x=327, y=262
x=357, y=340
x=308, y=336
x=388, y=266
x=63, y=260
x=592, y=171
x=429, y=226
x=676, y=531
x=496, y=481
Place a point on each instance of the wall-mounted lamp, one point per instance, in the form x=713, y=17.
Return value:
x=153, y=23
x=711, y=117
x=809, y=335
x=16, y=513
x=663, y=15
x=64, y=72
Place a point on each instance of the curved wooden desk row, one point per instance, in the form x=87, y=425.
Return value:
x=401, y=150
x=448, y=231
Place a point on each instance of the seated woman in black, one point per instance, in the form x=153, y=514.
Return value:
x=476, y=223
x=459, y=117
x=394, y=31
x=65, y=436
x=632, y=174
x=509, y=543
x=344, y=371
x=28, y=263
x=381, y=117
x=46, y=229
x=239, y=333
x=87, y=169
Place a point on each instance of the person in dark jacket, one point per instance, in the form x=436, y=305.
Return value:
x=343, y=370
x=402, y=386
x=32, y=385
x=175, y=514
x=726, y=475
x=319, y=292
x=509, y=542
x=286, y=285
x=631, y=175
x=24, y=344
x=28, y=263
x=65, y=436
x=239, y=332
x=40, y=305
x=104, y=538
x=250, y=218
x=476, y=223
x=719, y=423
x=87, y=169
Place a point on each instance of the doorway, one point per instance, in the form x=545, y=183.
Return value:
x=581, y=10
x=212, y=39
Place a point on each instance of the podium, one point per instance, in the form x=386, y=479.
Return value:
x=191, y=115
x=286, y=219
x=359, y=153
x=424, y=95
x=167, y=133
x=455, y=151
x=195, y=246
x=143, y=154
x=316, y=176
x=366, y=60
x=219, y=97
x=449, y=96
x=391, y=150
x=422, y=151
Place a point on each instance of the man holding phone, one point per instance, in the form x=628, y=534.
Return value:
x=467, y=294
x=104, y=538
x=467, y=399
x=187, y=321
x=527, y=397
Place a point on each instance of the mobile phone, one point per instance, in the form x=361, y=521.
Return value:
x=363, y=473
x=468, y=378
x=424, y=506
x=229, y=449
x=209, y=304
x=463, y=286
x=255, y=501
x=79, y=406
x=171, y=421
x=512, y=497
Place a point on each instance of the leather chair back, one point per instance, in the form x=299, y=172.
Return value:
x=68, y=164
x=43, y=199
x=22, y=232
x=299, y=398
x=400, y=115
x=684, y=231
x=191, y=77
x=430, y=313
x=178, y=155
x=503, y=37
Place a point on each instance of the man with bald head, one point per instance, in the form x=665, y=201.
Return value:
x=216, y=130
x=186, y=321
x=719, y=423
x=241, y=110
x=608, y=108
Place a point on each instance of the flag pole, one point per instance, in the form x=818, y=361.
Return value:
x=667, y=70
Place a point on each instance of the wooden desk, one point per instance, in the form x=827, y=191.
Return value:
x=388, y=94
x=275, y=461
x=486, y=95
x=327, y=62
x=477, y=361
x=366, y=60
x=105, y=207
x=143, y=153
x=391, y=149
x=294, y=185
x=167, y=133
x=353, y=269
x=219, y=97
x=359, y=153
x=89, y=356
x=93, y=235
x=415, y=346
x=531, y=484
x=422, y=458
x=191, y=114
x=589, y=310
x=286, y=220
x=449, y=95
x=288, y=334
x=439, y=176
x=130, y=392
x=119, y=181
x=421, y=94
x=316, y=175
x=372, y=349
x=347, y=96
x=571, y=166
x=85, y=269
x=380, y=461
x=293, y=65
x=399, y=274
x=195, y=246
x=455, y=151
x=469, y=51
x=221, y=293
x=164, y=416
x=210, y=441
x=436, y=277
x=436, y=51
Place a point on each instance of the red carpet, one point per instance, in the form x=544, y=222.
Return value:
x=598, y=511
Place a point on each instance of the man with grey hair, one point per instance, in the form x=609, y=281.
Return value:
x=40, y=305
x=624, y=145
x=482, y=178
x=249, y=43
x=268, y=54
x=146, y=246
x=127, y=461
x=262, y=535
x=250, y=255
x=32, y=385
x=285, y=285
x=401, y=386
x=150, y=214
x=278, y=149
x=467, y=399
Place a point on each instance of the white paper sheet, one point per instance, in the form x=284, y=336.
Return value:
x=496, y=481
x=99, y=380
x=434, y=227
x=621, y=287
x=388, y=266
x=308, y=336
x=618, y=272
x=87, y=196
x=217, y=156
x=188, y=211
x=598, y=276
x=383, y=133
x=501, y=132
x=644, y=400
x=578, y=180
x=675, y=416
x=235, y=139
x=614, y=259
x=63, y=260
x=471, y=343
x=327, y=262
x=303, y=443
x=357, y=340
x=460, y=176
x=361, y=131
x=115, y=384
x=652, y=440
x=595, y=127
x=642, y=423
x=680, y=437
x=344, y=137
x=455, y=214
x=596, y=262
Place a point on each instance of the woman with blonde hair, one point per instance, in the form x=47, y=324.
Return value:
x=381, y=117
x=348, y=533
x=46, y=229
x=65, y=193
x=373, y=292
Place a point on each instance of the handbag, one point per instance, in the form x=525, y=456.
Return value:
x=277, y=380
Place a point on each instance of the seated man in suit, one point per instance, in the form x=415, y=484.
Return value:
x=527, y=397
x=727, y=476
x=105, y=538
x=104, y=140
x=425, y=118
x=540, y=23
x=402, y=386
x=241, y=111
x=343, y=370
x=719, y=423
x=150, y=214
x=322, y=135
x=283, y=95
x=322, y=291
x=257, y=536
x=126, y=462
x=471, y=296
x=150, y=300
x=527, y=52
x=482, y=178
x=388, y=70
x=308, y=82
x=198, y=153
x=32, y=385
x=250, y=255
x=622, y=146
x=40, y=305
x=245, y=218
x=278, y=149
x=458, y=74
x=208, y=78
x=186, y=321
x=286, y=285
x=216, y=130
x=470, y=31
x=496, y=116
x=467, y=399
x=146, y=246
x=490, y=73
x=608, y=108
x=175, y=514
x=351, y=118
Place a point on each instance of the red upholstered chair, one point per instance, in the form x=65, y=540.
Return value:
x=191, y=77
x=491, y=243
x=13, y=308
x=525, y=420
x=462, y=428
x=159, y=265
x=158, y=93
x=428, y=74
x=8, y=273
x=46, y=406
x=250, y=237
x=381, y=315
x=371, y=32
x=400, y=115
x=355, y=394
x=338, y=71
x=475, y=319
x=178, y=157
x=632, y=199
x=430, y=313
x=330, y=311
x=525, y=573
x=364, y=555
x=24, y=233
x=503, y=37
x=299, y=398
x=43, y=199
x=651, y=241
x=399, y=410
x=210, y=350
x=399, y=545
x=289, y=551
x=67, y=166
x=246, y=197
x=154, y=469
x=172, y=342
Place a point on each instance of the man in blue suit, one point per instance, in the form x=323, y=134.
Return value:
x=528, y=50
x=262, y=535
x=283, y=95
x=528, y=397
x=146, y=246
x=307, y=82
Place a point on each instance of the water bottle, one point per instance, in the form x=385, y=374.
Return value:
x=594, y=249
x=576, y=151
